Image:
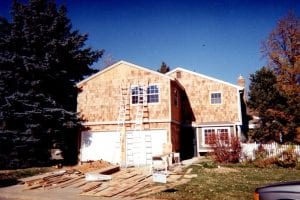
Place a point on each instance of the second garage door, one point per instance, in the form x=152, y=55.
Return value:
x=142, y=145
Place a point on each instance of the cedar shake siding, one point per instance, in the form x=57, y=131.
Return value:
x=199, y=88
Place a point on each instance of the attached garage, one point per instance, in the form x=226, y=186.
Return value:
x=140, y=146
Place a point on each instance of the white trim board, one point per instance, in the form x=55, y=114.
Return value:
x=126, y=63
x=204, y=76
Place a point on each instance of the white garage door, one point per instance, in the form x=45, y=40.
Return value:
x=142, y=145
x=100, y=145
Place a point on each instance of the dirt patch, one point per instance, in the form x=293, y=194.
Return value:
x=221, y=170
x=90, y=166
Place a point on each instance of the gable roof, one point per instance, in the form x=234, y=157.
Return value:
x=116, y=65
x=204, y=76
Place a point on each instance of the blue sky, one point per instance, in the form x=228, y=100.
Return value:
x=218, y=38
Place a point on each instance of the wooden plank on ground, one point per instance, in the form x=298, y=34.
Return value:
x=94, y=186
x=129, y=175
x=57, y=182
x=72, y=182
x=81, y=184
x=97, y=192
x=122, y=187
x=108, y=170
x=151, y=190
x=134, y=189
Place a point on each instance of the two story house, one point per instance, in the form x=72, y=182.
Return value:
x=131, y=113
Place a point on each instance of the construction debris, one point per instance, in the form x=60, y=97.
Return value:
x=97, y=177
x=110, y=181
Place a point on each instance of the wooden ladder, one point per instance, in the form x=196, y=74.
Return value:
x=123, y=115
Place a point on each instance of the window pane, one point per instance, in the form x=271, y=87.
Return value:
x=224, y=135
x=209, y=136
x=215, y=98
x=152, y=94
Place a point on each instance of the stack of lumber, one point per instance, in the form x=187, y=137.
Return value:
x=62, y=179
x=128, y=182
x=135, y=183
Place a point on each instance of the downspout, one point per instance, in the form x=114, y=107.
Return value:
x=240, y=113
x=170, y=115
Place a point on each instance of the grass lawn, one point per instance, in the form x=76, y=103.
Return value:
x=237, y=182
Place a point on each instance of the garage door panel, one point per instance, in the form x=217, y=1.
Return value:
x=142, y=145
x=100, y=145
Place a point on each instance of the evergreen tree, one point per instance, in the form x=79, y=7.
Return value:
x=266, y=100
x=41, y=59
x=164, y=68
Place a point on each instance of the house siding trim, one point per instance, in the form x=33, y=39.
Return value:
x=204, y=76
x=239, y=105
x=126, y=63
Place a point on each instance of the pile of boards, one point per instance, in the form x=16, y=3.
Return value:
x=126, y=182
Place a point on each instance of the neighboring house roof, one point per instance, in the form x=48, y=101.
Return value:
x=204, y=76
x=126, y=63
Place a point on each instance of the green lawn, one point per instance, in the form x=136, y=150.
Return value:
x=225, y=184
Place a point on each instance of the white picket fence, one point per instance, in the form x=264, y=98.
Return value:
x=273, y=149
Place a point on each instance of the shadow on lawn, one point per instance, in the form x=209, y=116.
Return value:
x=8, y=182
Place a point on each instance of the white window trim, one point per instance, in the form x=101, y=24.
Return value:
x=215, y=104
x=216, y=128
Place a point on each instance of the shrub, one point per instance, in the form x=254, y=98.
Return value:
x=265, y=162
x=226, y=151
x=287, y=158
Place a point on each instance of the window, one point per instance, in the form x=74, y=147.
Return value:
x=153, y=94
x=215, y=98
x=210, y=135
x=223, y=135
x=137, y=95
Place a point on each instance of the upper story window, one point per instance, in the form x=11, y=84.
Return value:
x=137, y=95
x=153, y=94
x=215, y=98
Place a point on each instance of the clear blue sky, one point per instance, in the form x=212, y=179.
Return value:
x=218, y=38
